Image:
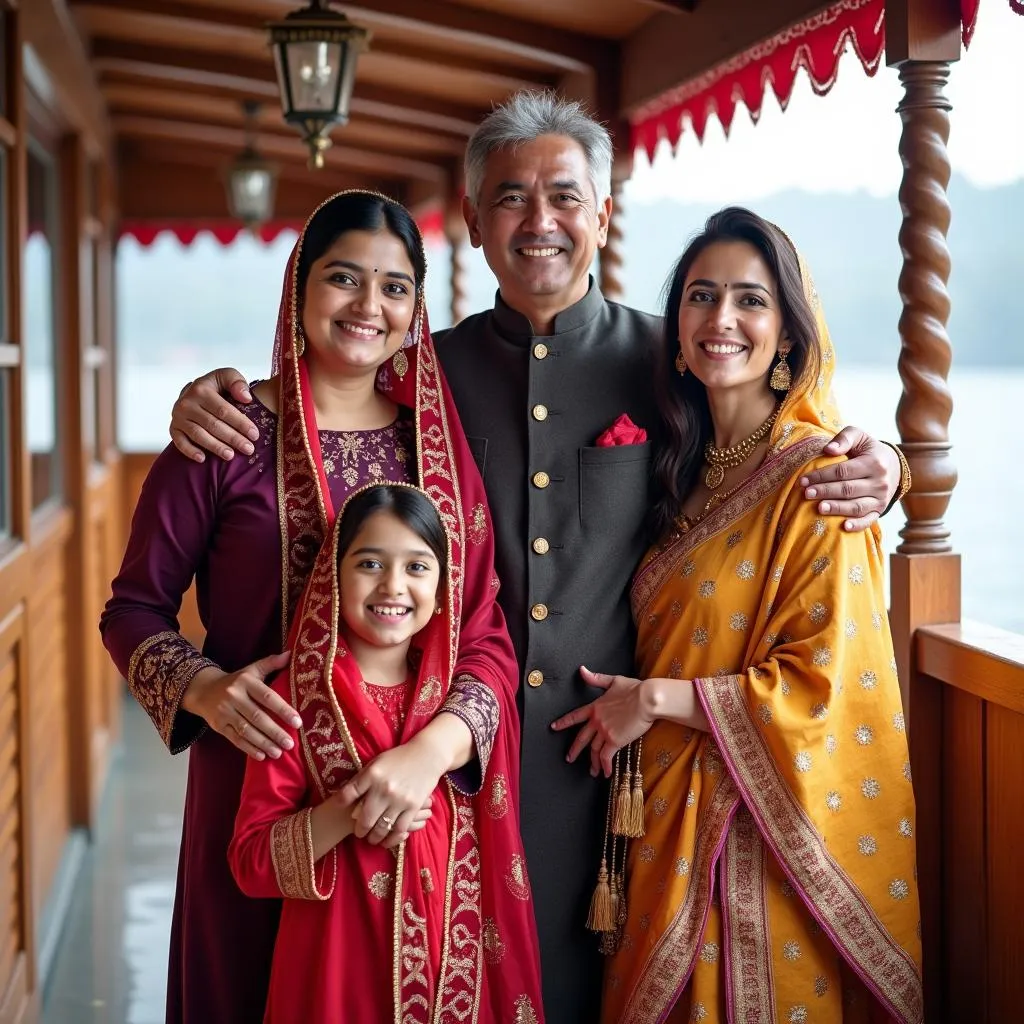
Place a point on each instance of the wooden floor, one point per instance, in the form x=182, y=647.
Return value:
x=111, y=964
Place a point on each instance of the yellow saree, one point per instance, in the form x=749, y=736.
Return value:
x=776, y=881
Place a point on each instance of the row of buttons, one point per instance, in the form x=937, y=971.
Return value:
x=539, y=612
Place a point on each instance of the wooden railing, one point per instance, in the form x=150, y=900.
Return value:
x=968, y=760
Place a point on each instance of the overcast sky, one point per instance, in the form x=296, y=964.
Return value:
x=848, y=139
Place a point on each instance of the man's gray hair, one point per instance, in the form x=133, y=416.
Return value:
x=526, y=115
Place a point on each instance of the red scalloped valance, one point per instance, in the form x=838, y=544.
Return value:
x=815, y=44
x=145, y=232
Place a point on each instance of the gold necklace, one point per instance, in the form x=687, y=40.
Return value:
x=721, y=459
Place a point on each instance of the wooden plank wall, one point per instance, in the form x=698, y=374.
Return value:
x=59, y=694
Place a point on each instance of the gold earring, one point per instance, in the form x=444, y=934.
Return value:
x=781, y=378
x=438, y=610
x=300, y=344
x=400, y=362
x=680, y=363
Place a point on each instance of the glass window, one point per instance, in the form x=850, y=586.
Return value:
x=5, y=377
x=40, y=341
x=3, y=61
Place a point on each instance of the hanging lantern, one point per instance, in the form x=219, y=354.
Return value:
x=315, y=52
x=251, y=180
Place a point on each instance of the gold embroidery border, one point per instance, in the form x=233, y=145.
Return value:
x=796, y=844
x=749, y=962
x=651, y=578
x=672, y=960
x=163, y=701
x=291, y=851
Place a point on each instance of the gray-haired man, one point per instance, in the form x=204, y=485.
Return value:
x=537, y=379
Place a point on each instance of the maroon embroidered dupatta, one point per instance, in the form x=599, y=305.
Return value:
x=452, y=935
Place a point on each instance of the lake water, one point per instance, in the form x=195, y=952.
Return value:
x=984, y=514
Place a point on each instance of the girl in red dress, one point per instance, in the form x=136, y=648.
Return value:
x=405, y=892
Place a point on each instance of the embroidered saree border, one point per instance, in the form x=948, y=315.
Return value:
x=671, y=962
x=832, y=898
x=291, y=850
x=653, y=576
x=159, y=672
x=748, y=965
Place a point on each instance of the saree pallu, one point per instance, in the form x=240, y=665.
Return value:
x=776, y=880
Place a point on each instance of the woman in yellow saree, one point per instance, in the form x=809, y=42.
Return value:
x=772, y=876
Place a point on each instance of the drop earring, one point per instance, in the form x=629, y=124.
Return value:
x=400, y=362
x=782, y=377
x=680, y=363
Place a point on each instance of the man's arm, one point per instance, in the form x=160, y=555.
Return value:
x=202, y=419
x=864, y=486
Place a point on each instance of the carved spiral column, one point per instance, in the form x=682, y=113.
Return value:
x=925, y=354
x=457, y=239
x=612, y=256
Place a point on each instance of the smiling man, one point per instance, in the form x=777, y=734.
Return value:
x=537, y=380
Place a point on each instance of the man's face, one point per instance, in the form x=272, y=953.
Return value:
x=539, y=222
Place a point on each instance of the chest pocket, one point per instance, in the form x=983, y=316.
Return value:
x=478, y=448
x=615, y=485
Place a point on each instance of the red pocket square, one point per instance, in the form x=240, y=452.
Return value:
x=622, y=431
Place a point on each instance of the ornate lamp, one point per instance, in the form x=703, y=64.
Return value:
x=251, y=180
x=315, y=52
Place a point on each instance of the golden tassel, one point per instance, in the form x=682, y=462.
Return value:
x=600, y=917
x=636, y=817
x=623, y=802
x=613, y=888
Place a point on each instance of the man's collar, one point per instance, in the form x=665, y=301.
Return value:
x=515, y=326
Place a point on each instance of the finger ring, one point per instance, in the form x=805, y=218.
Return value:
x=386, y=822
x=241, y=732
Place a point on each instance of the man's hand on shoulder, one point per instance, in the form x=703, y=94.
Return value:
x=202, y=419
x=860, y=488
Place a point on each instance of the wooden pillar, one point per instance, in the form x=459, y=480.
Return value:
x=612, y=256
x=457, y=235
x=925, y=351
x=922, y=39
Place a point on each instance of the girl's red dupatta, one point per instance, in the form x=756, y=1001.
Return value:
x=456, y=898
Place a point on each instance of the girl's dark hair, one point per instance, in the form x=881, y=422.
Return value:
x=407, y=504
x=360, y=211
x=682, y=401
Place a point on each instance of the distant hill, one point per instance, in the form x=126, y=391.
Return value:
x=208, y=306
x=850, y=242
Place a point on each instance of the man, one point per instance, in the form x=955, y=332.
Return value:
x=537, y=379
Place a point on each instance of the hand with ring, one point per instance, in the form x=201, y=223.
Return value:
x=391, y=794
x=243, y=709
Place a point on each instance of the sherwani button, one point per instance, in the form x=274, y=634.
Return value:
x=540, y=413
x=541, y=545
x=535, y=678
x=539, y=612
x=540, y=350
x=541, y=479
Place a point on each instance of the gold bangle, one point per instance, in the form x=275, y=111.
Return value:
x=906, y=480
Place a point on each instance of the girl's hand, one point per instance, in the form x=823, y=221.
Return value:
x=242, y=708
x=390, y=795
x=619, y=716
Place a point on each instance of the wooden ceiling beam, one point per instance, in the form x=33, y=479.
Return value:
x=137, y=150
x=178, y=16
x=276, y=146
x=127, y=94
x=157, y=191
x=671, y=49
x=487, y=31
x=386, y=104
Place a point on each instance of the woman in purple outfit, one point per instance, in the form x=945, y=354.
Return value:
x=354, y=365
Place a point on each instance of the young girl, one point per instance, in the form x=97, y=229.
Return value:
x=406, y=900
